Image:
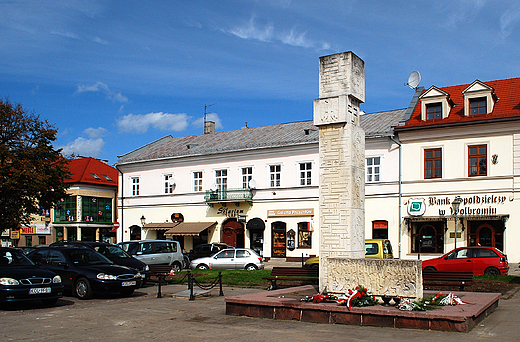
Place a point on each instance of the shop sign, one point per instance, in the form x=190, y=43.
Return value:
x=5, y=233
x=225, y=211
x=290, y=212
x=28, y=230
x=42, y=228
x=416, y=206
x=15, y=234
x=473, y=205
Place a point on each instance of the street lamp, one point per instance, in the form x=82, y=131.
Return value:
x=455, y=205
x=143, y=221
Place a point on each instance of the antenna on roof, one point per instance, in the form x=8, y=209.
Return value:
x=205, y=116
x=413, y=80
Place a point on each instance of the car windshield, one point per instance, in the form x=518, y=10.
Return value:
x=14, y=258
x=130, y=248
x=85, y=257
x=112, y=251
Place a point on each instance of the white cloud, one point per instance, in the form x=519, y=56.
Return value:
x=99, y=40
x=92, y=132
x=102, y=88
x=163, y=121
x=251, y=30
x=65, y=34
x=508, y=20
x=84, y=147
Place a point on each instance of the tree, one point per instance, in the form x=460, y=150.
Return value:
x=31, y=170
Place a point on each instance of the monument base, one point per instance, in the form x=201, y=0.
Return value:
x=286, y=304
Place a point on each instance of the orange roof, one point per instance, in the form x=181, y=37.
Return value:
x=506, y=108
x=92, y=171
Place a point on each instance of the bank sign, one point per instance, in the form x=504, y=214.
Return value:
x=483, y=205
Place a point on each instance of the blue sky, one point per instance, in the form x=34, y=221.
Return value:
x=115, y=75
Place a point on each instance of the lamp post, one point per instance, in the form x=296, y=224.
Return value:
x=143, y=221
x=455, y=205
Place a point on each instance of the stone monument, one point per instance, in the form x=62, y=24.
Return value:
x=342, y=188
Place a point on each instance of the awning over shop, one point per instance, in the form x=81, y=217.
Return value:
x=160, y=226
x=189, y=228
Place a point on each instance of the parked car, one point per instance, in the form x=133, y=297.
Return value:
x=85, y=271
x=155, y=252
x=374, y=249
x=206, y=249
x=22, y=280
x=112, y=252
x=479, y=260
x=231, y=258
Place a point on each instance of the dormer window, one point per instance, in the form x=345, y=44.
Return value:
x=479, y=98
x=434, y=111
x=435, y=104
x=478, y=106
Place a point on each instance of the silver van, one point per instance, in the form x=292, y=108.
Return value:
x=155, y=252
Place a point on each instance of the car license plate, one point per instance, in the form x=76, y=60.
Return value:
x=128, y=283
x=39, y=290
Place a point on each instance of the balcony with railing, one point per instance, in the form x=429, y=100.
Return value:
x=229, y=195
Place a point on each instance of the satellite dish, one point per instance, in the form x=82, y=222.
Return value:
x=213, y=187
x=171, y=181
x=414, y=80
x=252, y=184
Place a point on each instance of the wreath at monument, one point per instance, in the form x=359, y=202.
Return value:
x=361, y=297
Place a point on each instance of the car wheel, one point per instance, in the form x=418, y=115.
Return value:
x=127, y=292
x=49, y=302
x=492, y=271
x=176, y=267
x=202, y=267
x=251, y=267
x=315, y=265
x=430, y=268
x=83, y=289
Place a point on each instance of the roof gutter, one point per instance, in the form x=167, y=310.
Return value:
x=400, y=193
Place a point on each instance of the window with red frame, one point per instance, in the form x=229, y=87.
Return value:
x=434, y=111
x=478, y=106
x=477, y=159
x=433, y=163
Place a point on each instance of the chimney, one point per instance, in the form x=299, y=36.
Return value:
x=209, y=127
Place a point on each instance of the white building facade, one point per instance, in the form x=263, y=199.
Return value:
x=255, y=187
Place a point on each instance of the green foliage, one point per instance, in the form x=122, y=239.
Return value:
x=31, y=170
x=504, y=278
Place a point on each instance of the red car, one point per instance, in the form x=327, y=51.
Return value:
x=480, y=260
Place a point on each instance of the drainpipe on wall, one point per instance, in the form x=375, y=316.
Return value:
x=121, y=226
x=400, y=195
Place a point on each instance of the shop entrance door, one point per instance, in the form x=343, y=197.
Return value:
x=233, y=234
x=279, y=230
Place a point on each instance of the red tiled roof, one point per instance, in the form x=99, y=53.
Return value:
x=507, y=106
x=83, y=169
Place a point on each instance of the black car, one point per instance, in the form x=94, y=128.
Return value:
x=112, y=252
x=22, y=280
x=206, y=249
x=84, y=271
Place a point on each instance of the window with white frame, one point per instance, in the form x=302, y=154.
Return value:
x=135, y=186
x=247, y=175
x=305, y=173
x=169, y=185
x=373, y=169
x=275, y=175
x=197, y=181
x=221, y=179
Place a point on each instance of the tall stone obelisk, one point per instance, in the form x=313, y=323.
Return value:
x=342, y=158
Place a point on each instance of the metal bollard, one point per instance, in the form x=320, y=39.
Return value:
x=221, y=293
x=190, y=285
x=159, y=293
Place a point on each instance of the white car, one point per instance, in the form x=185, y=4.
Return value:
x=236, y=258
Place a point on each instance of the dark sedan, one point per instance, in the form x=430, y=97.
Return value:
x=85, y=271
x=22, y=280
x=112, y=252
